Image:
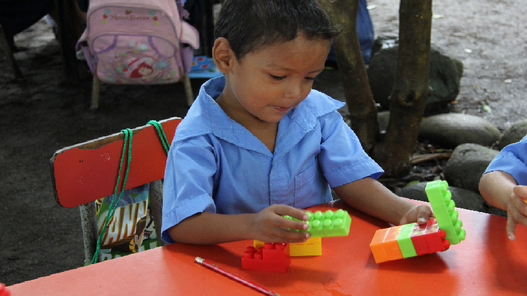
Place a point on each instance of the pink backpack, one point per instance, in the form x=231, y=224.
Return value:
x=138, y=41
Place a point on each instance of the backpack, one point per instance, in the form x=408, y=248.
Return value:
x=138, y=41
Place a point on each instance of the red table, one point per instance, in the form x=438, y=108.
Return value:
x=485, y=263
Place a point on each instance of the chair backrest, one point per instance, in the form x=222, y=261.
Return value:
x=86, y=172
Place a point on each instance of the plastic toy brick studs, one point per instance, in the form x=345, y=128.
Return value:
x=4, y=291
x=270, y=257
x=411, y=240
x=443, y=206
x=329, y=223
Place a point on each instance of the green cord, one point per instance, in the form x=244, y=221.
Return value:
x=128, y=136
x=161, y=133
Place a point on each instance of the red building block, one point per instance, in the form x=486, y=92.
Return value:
x=429, y=238
x=272, y=257
x=4, y=291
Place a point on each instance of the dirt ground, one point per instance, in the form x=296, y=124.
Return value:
x=40, y=114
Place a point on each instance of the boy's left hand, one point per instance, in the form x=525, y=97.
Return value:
x=419, y=214
x=516, y=210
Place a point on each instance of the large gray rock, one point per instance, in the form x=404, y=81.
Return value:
x=467, y=164
x=444, y=81
x=463, y=198
x=452, y=129
x=514, y=134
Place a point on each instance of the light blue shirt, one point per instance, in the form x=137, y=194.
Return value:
x=512, y=160
x=217, y=165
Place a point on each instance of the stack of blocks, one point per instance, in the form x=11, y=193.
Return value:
x=277, y=257
x=411, y=240
x=408, y=240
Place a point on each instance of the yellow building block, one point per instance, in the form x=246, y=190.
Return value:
x=311, y=247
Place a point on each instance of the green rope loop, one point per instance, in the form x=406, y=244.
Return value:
x=161, y=133
x=127, y=145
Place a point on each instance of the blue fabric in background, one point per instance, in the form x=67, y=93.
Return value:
x=364, y=31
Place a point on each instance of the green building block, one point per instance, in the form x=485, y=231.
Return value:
x=444, y=210
x=405, y=240
x=329, y=223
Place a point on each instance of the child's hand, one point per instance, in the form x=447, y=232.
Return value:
x=516, y=210
x=419, y=214
x=269, y=225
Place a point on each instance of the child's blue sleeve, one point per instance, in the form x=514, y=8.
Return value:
x=342, y=158
x=188, y=183
x=512, y=160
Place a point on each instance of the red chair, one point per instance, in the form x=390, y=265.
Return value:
x=86, y=172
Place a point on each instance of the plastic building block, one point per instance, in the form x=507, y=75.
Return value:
x=329, y=223
x=429, y=239
x=384, y=245
x=408, y=240
x=411, y=240
x=405, y=242
x=4, y=291
x=270, y=257
x=444, y=210
x=311, y=247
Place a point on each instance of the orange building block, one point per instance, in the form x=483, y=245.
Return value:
x=384, y=245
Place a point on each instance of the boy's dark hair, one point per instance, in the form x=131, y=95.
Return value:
x=250, y=24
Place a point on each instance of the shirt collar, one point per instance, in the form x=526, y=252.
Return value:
x=210, y=118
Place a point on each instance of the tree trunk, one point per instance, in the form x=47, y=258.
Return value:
x=359, y=98
x=411, y=90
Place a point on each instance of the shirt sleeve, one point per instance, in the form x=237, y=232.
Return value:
x=188, y=183
x=342, y=158
x=512, y=160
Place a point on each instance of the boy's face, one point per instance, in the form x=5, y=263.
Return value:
x=267, y=83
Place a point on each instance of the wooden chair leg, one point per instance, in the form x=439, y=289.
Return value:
x=156, y=205
x=89, y=229
x=4, y=44
x=95, y=92
x=188, y=89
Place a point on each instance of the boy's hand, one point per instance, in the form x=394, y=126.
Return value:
x=269, y=225
x=516, y=210
x=419, y=214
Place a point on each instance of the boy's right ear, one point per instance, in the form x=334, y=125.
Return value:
x=223, y=55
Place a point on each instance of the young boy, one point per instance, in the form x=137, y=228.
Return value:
x=258, y=143
x=503, y=184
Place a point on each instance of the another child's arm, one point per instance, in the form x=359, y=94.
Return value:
x=501, y=190
x=268, y=225
x=373, y=198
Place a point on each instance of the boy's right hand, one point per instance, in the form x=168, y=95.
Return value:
x=270, y=225
x=516, y=210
